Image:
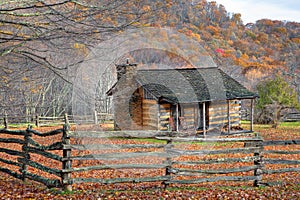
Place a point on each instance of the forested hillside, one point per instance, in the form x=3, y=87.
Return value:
x=40, y=39
x=260, y=49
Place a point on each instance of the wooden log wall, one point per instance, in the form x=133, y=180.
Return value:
x=218, y=113
x=190, y=115
x=150, y=114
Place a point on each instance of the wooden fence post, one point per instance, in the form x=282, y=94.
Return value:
x=228, y=116
x=258, y=162
x=37, y=120
x=67, y=120
x=169, y=162
x=252, y=115
x=96, y=117
x=67, y=162
x=5, y=121
x=25, y=146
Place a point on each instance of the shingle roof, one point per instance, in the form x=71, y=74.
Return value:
x=192, y=85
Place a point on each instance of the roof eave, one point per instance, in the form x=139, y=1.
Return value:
x=245, y=97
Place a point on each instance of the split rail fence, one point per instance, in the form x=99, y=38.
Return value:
x=292, y=117
x=162, y=157
x=39, y=121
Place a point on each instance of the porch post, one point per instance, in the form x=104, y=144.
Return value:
x=228, y=115
x=251, y=115
x=204, y=119
x=158, y=116
x=177, y=116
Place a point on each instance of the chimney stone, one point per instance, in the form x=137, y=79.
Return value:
x=128, y=69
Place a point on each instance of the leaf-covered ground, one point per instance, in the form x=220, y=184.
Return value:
x=286, y=185
x=11, y=188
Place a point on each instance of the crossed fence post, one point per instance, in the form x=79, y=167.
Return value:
x=24, y=167
x=258, y=162
x=5, y=121
x=67, y=162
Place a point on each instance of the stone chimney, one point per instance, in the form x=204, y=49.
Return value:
x=122, y=98
x=128, y=69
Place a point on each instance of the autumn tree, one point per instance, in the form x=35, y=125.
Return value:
x=275, y=96
x=56, y=35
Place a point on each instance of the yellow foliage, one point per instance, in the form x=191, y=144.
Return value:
x=25, y=79
x=98, y=16
x=245, y=56
x=18, y=26
x=81, y=7
x=169, y=3
x=6, y=32
x=196, y=37
x=4, y=79
x=81, y=48
x=43, y=24
x=268, y=59
x=24, y=36
x=281, y=30
x=213, y=30
x=230, y=42
x=78, y=45
x=297, y=40
x=254, y=74
x=146, y=8
x=32, y=90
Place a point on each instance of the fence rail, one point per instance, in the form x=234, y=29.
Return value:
x=289, y=117
x=167, y=153
x=29, y=148
x=177, y=160
x=39, y=121
x=292, y=117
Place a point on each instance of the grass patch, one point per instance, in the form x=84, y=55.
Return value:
x=150, y=140
x=64, y=192
x=201, y=144
x=21, y=125
x=264, y=126
x=290, y=124
x=52, y=124
x=191, y=188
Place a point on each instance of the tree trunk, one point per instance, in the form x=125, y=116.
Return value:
x=276, y=117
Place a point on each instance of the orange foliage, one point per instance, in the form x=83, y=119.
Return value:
x=296, y=40
x=213, y=30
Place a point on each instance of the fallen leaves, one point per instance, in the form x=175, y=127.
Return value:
x=286, y=186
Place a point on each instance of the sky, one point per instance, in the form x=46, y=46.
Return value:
x=253, y=10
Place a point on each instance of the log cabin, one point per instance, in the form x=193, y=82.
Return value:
x=189, y=99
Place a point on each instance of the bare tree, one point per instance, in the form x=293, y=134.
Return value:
x=47, y=31
x=42, y=41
